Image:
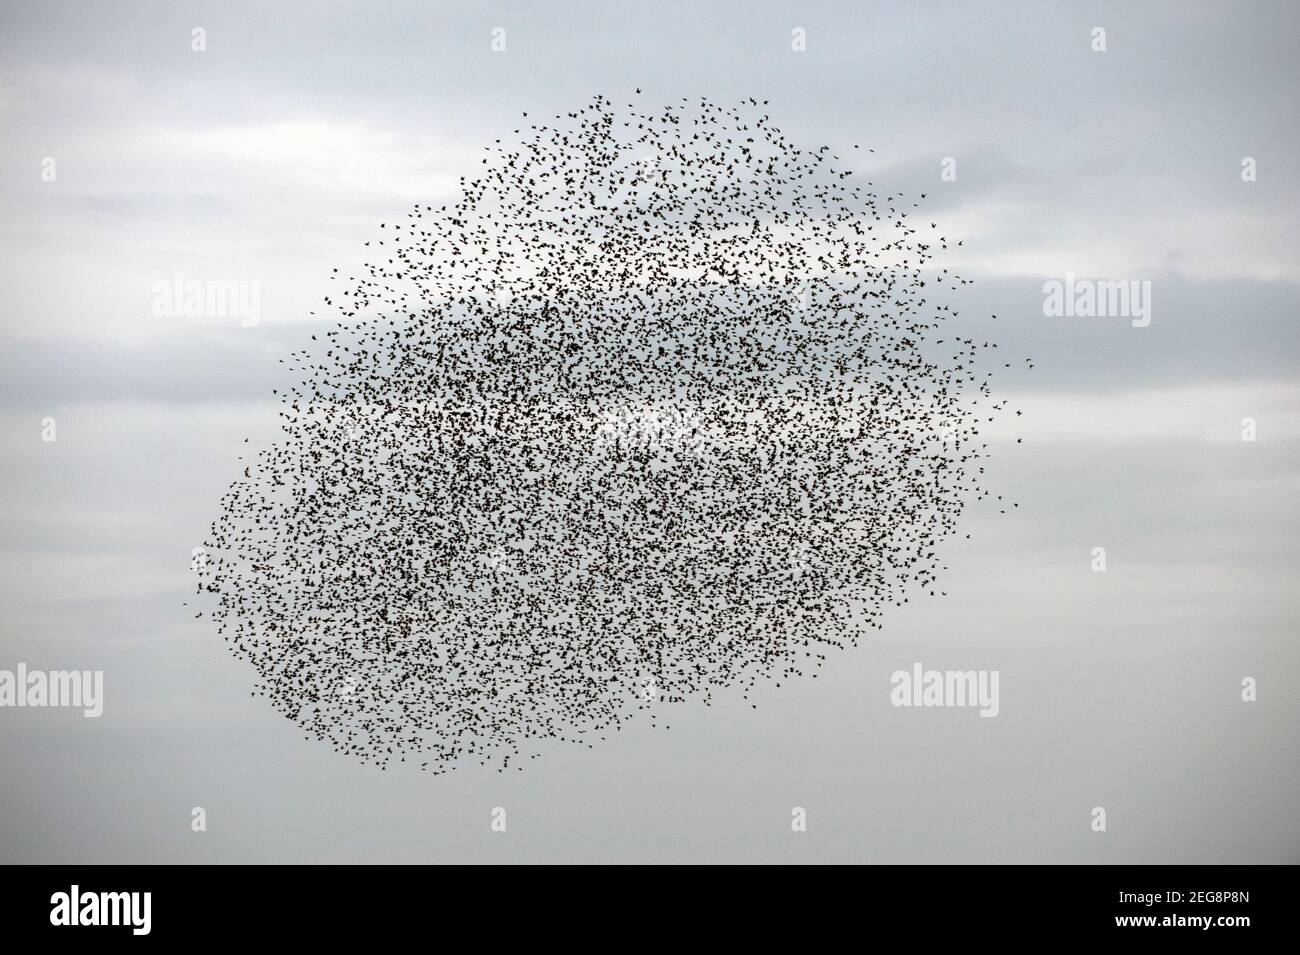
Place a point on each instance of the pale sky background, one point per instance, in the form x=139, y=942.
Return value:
x=273, y=155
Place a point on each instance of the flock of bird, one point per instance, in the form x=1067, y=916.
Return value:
x=657, y=410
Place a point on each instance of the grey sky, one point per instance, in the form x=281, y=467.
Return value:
x=273, y=155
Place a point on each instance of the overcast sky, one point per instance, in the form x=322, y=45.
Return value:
x=271, y=156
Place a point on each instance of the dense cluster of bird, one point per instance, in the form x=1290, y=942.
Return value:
x=657, y=408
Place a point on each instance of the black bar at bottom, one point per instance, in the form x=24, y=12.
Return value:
x=977, y=904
